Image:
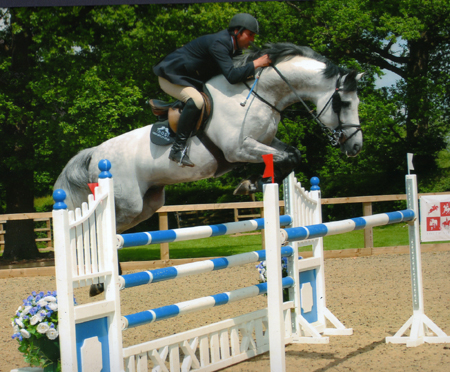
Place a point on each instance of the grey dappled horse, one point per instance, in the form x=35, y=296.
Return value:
x=141, y=169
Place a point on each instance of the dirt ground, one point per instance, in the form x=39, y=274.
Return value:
x=372, y=295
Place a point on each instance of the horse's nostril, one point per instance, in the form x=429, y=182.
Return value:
x=356, y=148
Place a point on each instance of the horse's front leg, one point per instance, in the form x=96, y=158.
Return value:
x=289, y=162
x=251, y=151
x=286, y=159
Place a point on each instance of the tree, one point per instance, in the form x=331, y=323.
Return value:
x=407, y=37
x=17, y=141
x=58, y=95
x=73, y=77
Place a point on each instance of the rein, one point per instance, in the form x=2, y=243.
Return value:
x=334, y=135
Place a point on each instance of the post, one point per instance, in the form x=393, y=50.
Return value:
x=421, y=327
x=2, y=237
x=91, y=336
x=291, y=209
x=49, y=233
x=263, y=236
x=163, y=225
x=274, y=279
x=368, y=233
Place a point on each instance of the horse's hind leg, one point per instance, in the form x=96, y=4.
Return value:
x=152, y=201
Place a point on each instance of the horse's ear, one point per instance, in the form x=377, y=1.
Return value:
x=359, y=76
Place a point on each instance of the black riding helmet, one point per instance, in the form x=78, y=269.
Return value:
x=244, y=21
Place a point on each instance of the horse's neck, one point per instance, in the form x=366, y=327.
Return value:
x=303, y=74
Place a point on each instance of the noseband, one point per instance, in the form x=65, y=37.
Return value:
x=336, y=135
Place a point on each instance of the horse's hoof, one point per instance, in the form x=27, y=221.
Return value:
x=246, y=187
x=96, y=289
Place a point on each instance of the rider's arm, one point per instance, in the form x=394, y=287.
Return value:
x=221, y=54
x=262, y=61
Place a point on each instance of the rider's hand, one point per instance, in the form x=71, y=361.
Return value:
x=262, y=61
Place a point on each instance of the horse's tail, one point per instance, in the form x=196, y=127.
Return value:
x=74, y=179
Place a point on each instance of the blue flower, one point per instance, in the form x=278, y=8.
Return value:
x=33, y=293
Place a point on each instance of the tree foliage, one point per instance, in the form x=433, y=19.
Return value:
x=73, y=77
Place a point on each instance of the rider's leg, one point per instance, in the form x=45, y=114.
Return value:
x=186, y=125
x=187, y=121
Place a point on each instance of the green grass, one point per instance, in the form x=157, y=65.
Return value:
x=209, y=247
x=384, y=236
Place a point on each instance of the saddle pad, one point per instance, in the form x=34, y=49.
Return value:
x=161, y=135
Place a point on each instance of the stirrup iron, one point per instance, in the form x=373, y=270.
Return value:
x=183, y=154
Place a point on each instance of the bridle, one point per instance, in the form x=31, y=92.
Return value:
x=336, y=135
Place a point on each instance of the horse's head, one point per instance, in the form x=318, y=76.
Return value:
x=310, y=75
x=338, y=110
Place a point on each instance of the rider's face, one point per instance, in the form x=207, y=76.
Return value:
x=245, y=38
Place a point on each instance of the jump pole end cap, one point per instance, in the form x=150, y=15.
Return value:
x=283, y=237
x=119, y=241
x=59, y=195
x=104, y=165
x=124, y=323
x=315, y=183
x=121, y=284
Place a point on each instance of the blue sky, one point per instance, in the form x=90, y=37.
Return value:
x=387, y=80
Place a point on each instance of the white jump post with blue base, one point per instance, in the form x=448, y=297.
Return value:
x=422, y=329
x=312, y=315
x=91, y=334
x=85, y=243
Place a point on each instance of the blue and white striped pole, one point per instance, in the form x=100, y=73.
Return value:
x=191, y=233
x=181, y=308
x=340, y=227
x=179, y=271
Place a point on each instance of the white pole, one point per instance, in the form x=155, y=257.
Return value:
x=421, y=327
x=274, y=272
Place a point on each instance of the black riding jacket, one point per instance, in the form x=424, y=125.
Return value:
x=201, y=59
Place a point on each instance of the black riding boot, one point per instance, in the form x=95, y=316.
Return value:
x=186, y=124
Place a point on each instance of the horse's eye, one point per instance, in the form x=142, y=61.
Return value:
x=345, y=104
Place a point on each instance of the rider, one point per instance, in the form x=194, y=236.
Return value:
x=182, y=73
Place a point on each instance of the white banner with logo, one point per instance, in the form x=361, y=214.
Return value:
x=435, y=218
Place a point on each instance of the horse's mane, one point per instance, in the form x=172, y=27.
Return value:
x=285, y=51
